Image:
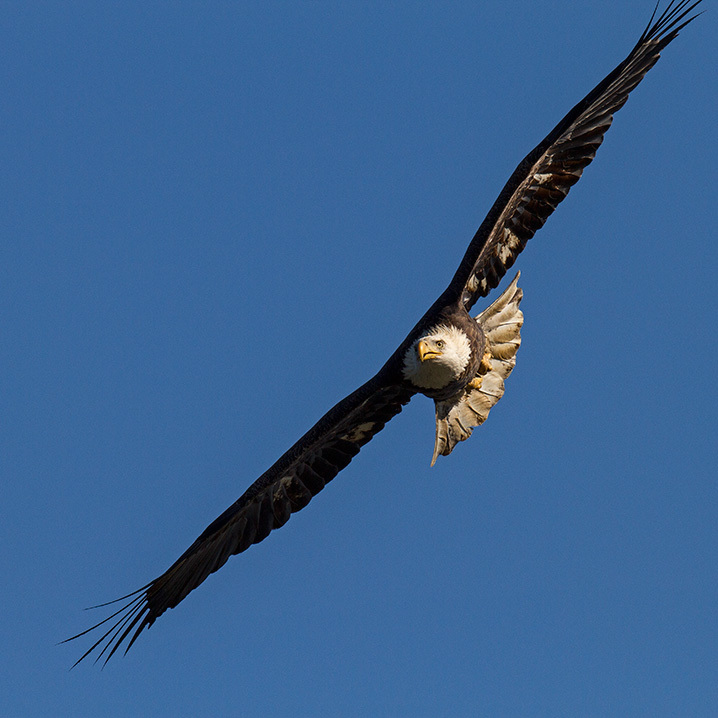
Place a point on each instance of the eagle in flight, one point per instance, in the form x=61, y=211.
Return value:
x=458, y=360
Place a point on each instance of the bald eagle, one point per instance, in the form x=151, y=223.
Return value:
x=458, y=360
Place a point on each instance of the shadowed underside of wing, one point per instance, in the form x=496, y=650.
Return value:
x=286, y=487
x=545, y=176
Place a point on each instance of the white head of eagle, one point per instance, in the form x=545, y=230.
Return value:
x=437, y=358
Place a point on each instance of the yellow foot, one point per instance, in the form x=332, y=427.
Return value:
x=485, y=365
x=475, y=383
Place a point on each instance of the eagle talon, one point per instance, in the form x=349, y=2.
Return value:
x=485, y=365
x=475, y=383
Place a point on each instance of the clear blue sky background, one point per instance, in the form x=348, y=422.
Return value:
x=219, y=219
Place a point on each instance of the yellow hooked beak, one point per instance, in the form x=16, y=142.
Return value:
x=425, y=351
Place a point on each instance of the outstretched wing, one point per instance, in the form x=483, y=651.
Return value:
x=286, y=487
x=544, y=177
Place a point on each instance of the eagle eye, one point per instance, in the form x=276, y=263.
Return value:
x=440, y=343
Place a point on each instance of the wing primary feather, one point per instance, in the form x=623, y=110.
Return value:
x=123, y=628
x=117, y=600
x=125, y=611
x=109, y=618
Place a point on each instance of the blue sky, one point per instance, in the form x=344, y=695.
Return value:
x=218, y=220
